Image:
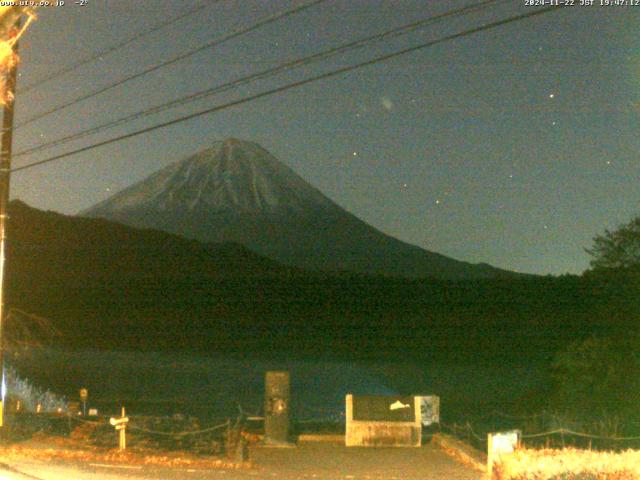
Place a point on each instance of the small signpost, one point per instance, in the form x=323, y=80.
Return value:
x=84, y=395
x=120, y=425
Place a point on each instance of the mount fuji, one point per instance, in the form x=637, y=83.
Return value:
x=236, y=191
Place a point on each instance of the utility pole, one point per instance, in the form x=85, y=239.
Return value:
x=6, y=144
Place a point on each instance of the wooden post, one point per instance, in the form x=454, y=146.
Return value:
x=120, y=425
x=229, y=441
x=123, y=435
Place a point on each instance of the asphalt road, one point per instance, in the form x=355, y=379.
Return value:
x=312, y=461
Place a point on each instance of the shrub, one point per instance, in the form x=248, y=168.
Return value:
x=30, y=395
x=567, y=464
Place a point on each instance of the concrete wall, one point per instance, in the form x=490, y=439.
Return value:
x=365, y=433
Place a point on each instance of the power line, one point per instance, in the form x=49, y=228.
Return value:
x=296, y=84
x=402, y=30
x=117, y=46
x=236, y=33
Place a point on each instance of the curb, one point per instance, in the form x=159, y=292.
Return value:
x=4, y=467
x=461, y=451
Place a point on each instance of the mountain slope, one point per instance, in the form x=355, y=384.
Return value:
x=238, y=192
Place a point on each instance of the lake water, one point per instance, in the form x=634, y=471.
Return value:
x=215, y=387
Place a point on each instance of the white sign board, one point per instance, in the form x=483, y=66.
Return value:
x=501, y=443
x=118, y=421
x=429, y=409
x=505, y=442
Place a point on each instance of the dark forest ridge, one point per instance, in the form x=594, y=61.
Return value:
x=56, y=244
x=106, y=285
x=236, y=191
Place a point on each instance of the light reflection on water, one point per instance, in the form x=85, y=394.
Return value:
x=162, y=383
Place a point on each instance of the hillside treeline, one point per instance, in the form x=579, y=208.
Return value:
x=344, y=315
x=104, y=285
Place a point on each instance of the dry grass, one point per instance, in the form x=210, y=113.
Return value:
x=74, y=449
x=568, y=464
x=128, y=457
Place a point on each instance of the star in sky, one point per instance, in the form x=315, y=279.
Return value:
x=387, y=104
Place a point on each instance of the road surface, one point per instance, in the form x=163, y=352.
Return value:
x=308, y=461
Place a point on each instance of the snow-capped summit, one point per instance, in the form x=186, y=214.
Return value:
x=231, y=175
x=236, y=191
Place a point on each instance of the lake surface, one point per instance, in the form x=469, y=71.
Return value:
x=215, y=387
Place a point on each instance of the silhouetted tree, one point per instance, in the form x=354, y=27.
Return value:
x=597, y=376
x=617, y=249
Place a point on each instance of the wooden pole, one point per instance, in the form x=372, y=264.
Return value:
x=6, y=144
x=123, y=435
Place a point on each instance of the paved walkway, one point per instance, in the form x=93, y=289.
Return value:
x=325, y=461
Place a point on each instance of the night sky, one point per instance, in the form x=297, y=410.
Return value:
x=513, y=146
